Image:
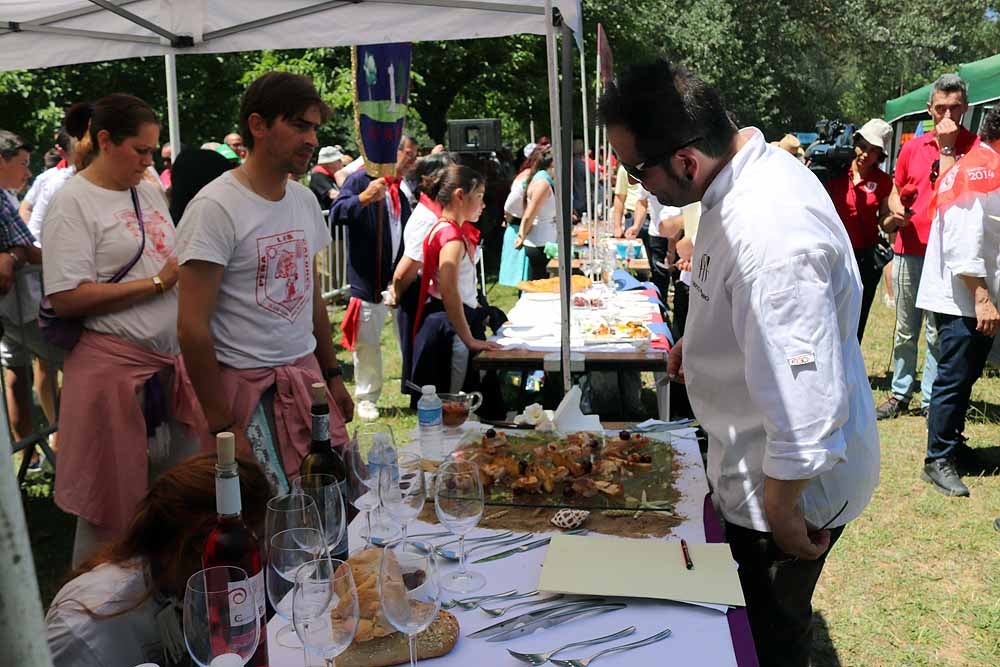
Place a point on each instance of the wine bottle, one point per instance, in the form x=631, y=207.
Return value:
x=231, y=541
x=323, y=458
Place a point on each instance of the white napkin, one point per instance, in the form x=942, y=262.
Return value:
x=570, y=419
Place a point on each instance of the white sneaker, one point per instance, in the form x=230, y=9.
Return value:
x=367, y=410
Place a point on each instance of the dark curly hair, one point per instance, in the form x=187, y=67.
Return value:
x=990, y=131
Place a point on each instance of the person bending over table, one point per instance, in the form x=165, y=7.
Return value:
x=123, y=607
x=450, y=324
x=770, y=356
x=538, y=225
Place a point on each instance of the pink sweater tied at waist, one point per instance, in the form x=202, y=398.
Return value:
x=292, y=401
x=102, y=465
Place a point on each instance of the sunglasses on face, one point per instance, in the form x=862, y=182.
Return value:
x=638, y=170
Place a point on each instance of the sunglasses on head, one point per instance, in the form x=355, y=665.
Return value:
x=638, y=170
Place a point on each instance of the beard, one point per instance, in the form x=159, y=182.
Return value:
x=676, y=191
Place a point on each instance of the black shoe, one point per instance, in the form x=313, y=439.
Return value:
x=942, y=474
x=892, y=408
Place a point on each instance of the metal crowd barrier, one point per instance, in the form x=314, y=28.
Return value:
x=332, y=265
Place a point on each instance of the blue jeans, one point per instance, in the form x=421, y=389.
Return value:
x=906, y=271
x=962, y=355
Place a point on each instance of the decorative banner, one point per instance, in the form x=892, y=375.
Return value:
x=605, y=55
x=381, y=75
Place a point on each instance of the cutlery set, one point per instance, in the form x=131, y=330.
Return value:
x=542, y=617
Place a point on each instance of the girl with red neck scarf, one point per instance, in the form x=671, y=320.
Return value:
x=450, y=324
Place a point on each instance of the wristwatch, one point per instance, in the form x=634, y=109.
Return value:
x=330, y=373
x=160, y=287
x=948, y=150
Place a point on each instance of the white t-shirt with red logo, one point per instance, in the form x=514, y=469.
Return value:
x=90, y=232
x=263, y=313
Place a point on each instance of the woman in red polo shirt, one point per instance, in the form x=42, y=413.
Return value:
x=861, y=195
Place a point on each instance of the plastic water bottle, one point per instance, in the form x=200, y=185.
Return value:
x=429, y=418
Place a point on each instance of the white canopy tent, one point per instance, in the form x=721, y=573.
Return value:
x=47, y=33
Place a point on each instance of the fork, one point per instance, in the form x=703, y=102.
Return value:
x=451, y=554
x=497, y=612
x=539, y=658
x=467, y=605
x=475, y=600
x=583, y=662
x=485, y=538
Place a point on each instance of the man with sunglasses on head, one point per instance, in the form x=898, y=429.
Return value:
x=921, y=161
x=770, y=354
x=959, y=285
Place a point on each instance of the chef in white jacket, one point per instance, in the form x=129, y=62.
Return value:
x=770, y=354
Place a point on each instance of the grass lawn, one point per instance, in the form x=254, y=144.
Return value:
x=914, y=581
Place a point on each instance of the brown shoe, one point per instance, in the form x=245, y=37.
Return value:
x=892, y=408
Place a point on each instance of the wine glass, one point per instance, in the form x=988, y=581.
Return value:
x=409, y=591
x=220, y=616
x=374, y=447
x=325, y=609
x=459, y=503
x=328, y=492
x=287, y=552
x=403, y=489
x=293, y=510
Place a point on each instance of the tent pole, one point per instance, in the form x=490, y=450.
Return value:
x=22, y=632
x=597, y=136
x=561, y=193
x=586, y=135
x=170, y=61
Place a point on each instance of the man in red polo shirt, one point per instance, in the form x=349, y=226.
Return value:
x=920, y=163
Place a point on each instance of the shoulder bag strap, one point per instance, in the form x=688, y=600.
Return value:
x=122, y=272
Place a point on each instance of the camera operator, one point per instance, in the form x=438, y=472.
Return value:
x=861, y=194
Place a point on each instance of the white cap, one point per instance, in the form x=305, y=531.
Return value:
x=527, y=149
x=329, y=154
x=428, y=389
x=878, y=133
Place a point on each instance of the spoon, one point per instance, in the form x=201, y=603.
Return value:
x=584, y=662
x=475, y=600
x=497, y=612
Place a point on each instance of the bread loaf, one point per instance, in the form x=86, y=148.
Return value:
x=438, y=639
x=377, y=643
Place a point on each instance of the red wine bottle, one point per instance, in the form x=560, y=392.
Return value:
x=231, y=541
x=324, y=459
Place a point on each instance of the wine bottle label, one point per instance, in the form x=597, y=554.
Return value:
x=241, y=603
x=227, y=496
x=321, y=427
x=260, y=594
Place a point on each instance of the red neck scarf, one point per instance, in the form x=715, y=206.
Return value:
x=393, y=183
x=430, y=204
x=977, y=171
x=433, y=244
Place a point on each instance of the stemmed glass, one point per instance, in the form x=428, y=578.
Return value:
x=409, y=591
x=459, y=503
x=325, y=609
x=403, y=489
x=328, y=492
x=293, y=510
x=220, y=616
x=373, y=450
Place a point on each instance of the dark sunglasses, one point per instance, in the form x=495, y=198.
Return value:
x=935, y=170
x=636, y=171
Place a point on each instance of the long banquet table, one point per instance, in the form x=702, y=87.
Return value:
x=701, y=636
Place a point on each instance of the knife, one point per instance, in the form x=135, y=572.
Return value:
x=557, y=619
x=512, y=623
x=526, y=547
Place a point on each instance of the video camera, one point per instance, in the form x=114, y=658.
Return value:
x=832, y=153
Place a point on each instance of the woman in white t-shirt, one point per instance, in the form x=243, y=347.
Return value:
x=538, y=226
x=450, y=323
x=124, y=383
x=513, y=264
x=123, y=607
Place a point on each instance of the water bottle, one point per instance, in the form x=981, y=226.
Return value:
x=429, y=417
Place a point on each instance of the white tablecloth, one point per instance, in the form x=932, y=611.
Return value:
x=700, y=636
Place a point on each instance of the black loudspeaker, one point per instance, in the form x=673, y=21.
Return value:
x=474, y=135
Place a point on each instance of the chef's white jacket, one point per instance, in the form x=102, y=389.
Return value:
x=771, y=357
x=964, y=240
